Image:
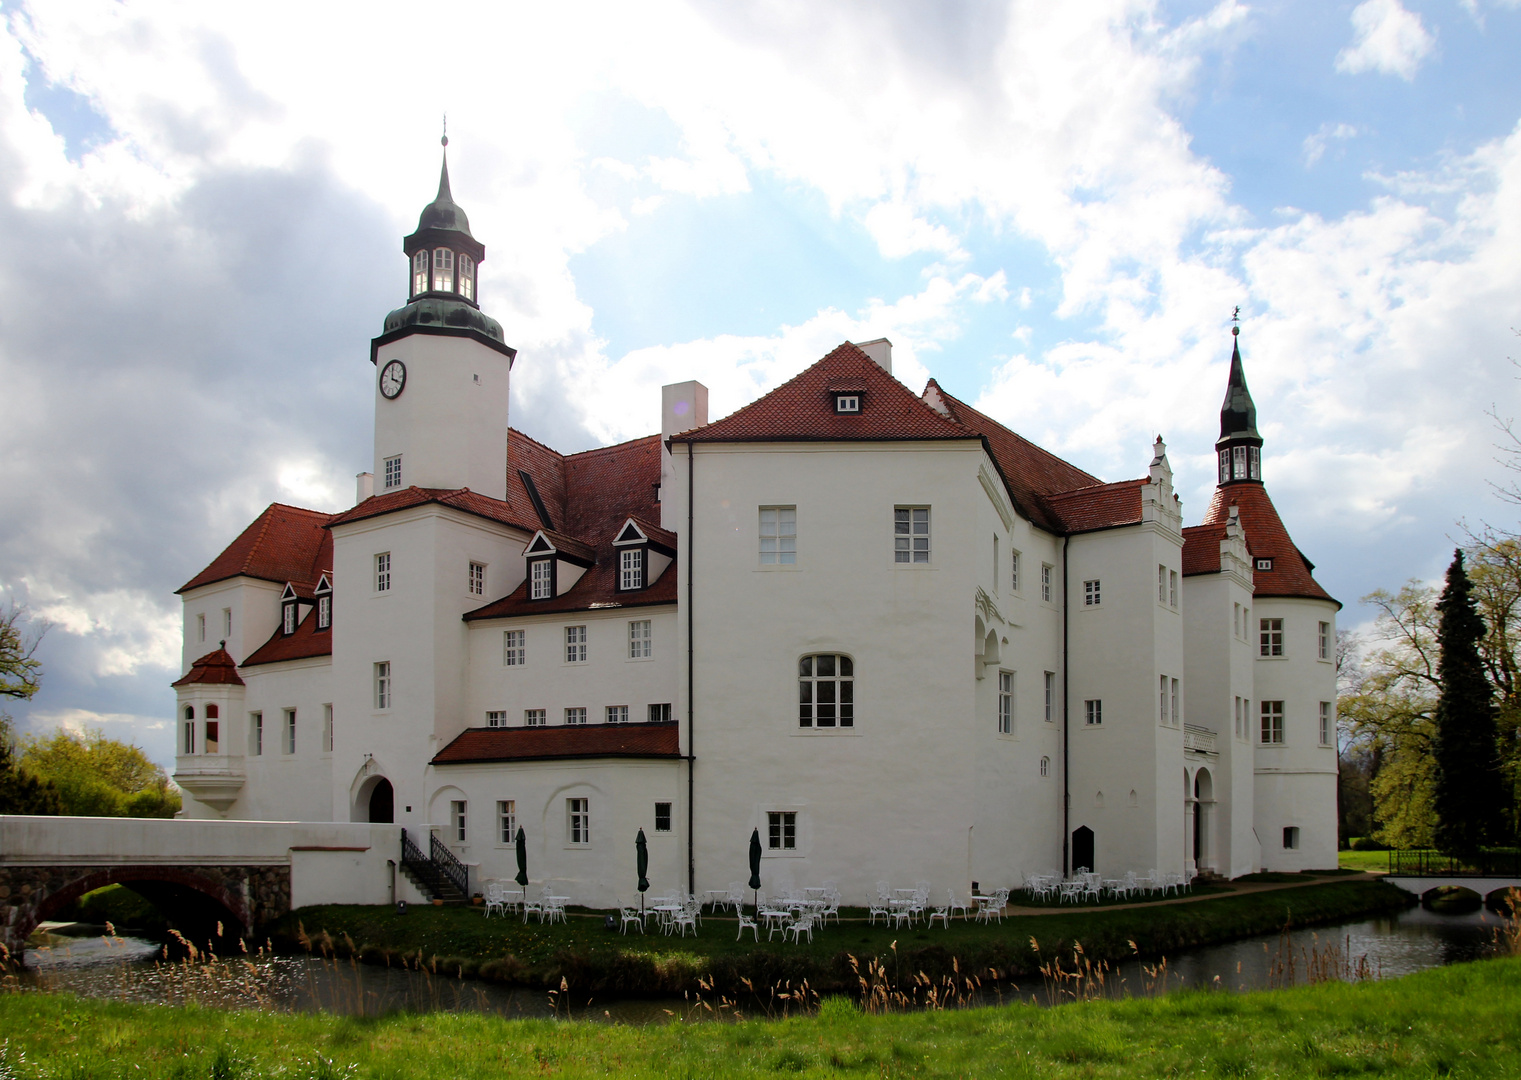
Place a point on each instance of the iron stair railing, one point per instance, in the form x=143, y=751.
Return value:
x=439, y=881
x=449, y=865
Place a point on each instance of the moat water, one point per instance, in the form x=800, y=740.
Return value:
x=134, y=969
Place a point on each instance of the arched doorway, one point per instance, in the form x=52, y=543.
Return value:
x=1082, y=847
x=1204, y=797
x=383, y=803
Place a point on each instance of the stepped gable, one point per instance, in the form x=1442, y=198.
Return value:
x=1030, y=474
x=546, y=468
x=1100, y=506
x=482, y=745
x=306, y=642
x=284, y=544
x=216, y=668
x=1292, y=573
x=464, y=499
x=603, y=489
x=1201, y=549
x=802, y=409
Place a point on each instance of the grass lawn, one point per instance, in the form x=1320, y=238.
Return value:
x=1456, y=1021
x=1376, y=862
x=594, y=960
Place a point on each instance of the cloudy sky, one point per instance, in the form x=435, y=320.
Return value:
x=1052, y=208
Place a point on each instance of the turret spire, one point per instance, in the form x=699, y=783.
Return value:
x=1240, y=445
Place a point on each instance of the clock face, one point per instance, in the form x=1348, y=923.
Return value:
x=393, y=377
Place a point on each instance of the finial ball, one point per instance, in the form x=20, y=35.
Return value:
x=1235, y=331
x=444, y=141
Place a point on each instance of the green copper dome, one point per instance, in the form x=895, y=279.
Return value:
x=440, y=311
x=443, y=212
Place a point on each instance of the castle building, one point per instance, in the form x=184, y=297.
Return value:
x=887, y=632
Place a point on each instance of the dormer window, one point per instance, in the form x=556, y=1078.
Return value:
x=631, y=569
x=288, y=618
x=847, y=403
x=1264, y=564
x=467, y=277
x=420, y=273
x=443, y=270
x=541, y=579
x=324, y=604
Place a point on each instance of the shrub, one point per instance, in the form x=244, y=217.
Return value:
x=1366, y=843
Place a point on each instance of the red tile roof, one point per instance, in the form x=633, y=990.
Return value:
x=570, y=547
x=477, y=745
x=545, y=467
x=306, y=642
x=464, y=499
x=216, y=668
x=597, y=588
x=802, y=409
x=1030, y=473
x=1266, y=537
x=1102, y=506
x=1201, y=549
x=285, y=543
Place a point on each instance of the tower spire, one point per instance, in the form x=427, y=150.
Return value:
x=1240, y=444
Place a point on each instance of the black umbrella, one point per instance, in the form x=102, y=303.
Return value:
x=755, y=857
x=642, y=864
x=522, y=849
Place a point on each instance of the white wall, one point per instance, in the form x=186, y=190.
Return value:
x=255, y=607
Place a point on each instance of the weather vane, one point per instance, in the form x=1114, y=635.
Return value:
x=445, y=141
x=1236, y=321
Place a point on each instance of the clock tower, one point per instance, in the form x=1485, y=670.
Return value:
x=442, y=367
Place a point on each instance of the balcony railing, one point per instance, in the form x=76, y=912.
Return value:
x=214, y=779
x=1201, y=740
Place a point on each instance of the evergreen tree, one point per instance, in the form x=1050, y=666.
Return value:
x=1467, y=798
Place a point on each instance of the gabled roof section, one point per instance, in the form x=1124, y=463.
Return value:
x=636, y=531
x=216, y=668
x=1030, y=473
x=1101, y=506
x=305, y=642
x=1292, y=573
x=284, y=544
x=545, y=542
x=480, y=745
x=1201, y=549
x=802, y=409
x=463, y=499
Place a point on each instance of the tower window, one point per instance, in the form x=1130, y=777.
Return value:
x=1238, y=463
x=467, y=277
x=443, y=270
x=1225, y=465
x=1254, y=462
x=393, y=472
x=419, y=273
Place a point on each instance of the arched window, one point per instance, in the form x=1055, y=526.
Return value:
x=443, y=270
x=187, y=744
x=212, y=712
x=189, y=712
x=420, y=273
x=467, y=277
x=1045, y=766
x=826, y=691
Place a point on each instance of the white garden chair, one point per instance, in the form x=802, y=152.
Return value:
x=630, y=915
x=954, y=905
x=802, y=924
x=496, y=899
x=747, y=923
x=943, y=914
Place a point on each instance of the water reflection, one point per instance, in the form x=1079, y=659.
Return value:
x=133, y=969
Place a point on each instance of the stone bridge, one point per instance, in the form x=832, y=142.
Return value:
x=1490, y=888
x=241, y=874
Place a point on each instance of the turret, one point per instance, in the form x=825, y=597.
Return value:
x=1239, y=448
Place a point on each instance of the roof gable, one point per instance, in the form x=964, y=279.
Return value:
x=284, y=544
x=216, y=668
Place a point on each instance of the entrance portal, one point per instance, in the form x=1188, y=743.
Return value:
x=1082, y=847
x=383, y=803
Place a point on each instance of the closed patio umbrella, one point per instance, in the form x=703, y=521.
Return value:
x=642, y=863
x=522, y=851
x=755, y=858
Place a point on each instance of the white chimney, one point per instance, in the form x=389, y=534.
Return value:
x=364, y=487
x=880, y=350
x=683, y=406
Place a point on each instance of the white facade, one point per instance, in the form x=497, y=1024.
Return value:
x=1066, y=676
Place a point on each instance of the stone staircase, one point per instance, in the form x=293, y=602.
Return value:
x=442, y=878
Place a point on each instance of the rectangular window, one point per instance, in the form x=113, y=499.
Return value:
x=781, y=830
x=1014, y=571
x=1045, y=583
x=1272, y=722
x=324, y=612
x=1291, y=838
x=575, y=717
x=778, y=535
x=1161, y=584
x=1271, y=640
x=506, y=821
x=826, y=691
x=541, y=579
x=189, y=736
x=1323, y=646
x=1093, y=712
x=256, y=733
x=1092, y=594
x=290, y=731
x=575, y=644
x=1325, y=723
x=227, y=622
x=514, y=648
x=383, y=572
x=467, y=278
x=213, y=736
x=477, y=581
x=662, y=817
x=639, y=639
x=1236, y=717
x=1050, y=697
x=457, y=815
x=911, y=535
x=496, y=718
x=1005, y=702
x=578, y=813
x=1177, y=710
x=631, y=568
x=847, y=403
x=660, y=713
x=383, y=685
x=393, y=472
x=327, y=729
x=1162, y=699
x=1172, y=588
x=535, y=717
x=617, y=714
x=443, y=270
x=288, y=619
x=1236, y=622
x=1238, y=463
x=200, y=627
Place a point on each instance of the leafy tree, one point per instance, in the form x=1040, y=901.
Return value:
x=1467, y=795
x=20, y=676
x=100, y=777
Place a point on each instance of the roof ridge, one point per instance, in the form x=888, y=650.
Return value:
x=957, y=402
x=1103, y=484
x=611, y=446
x=520, y=433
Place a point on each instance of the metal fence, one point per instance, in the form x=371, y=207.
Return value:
x=1503, y=863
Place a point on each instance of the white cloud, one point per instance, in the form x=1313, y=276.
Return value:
x=79, y=721
x=1387, y=38
x=1315, y=145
